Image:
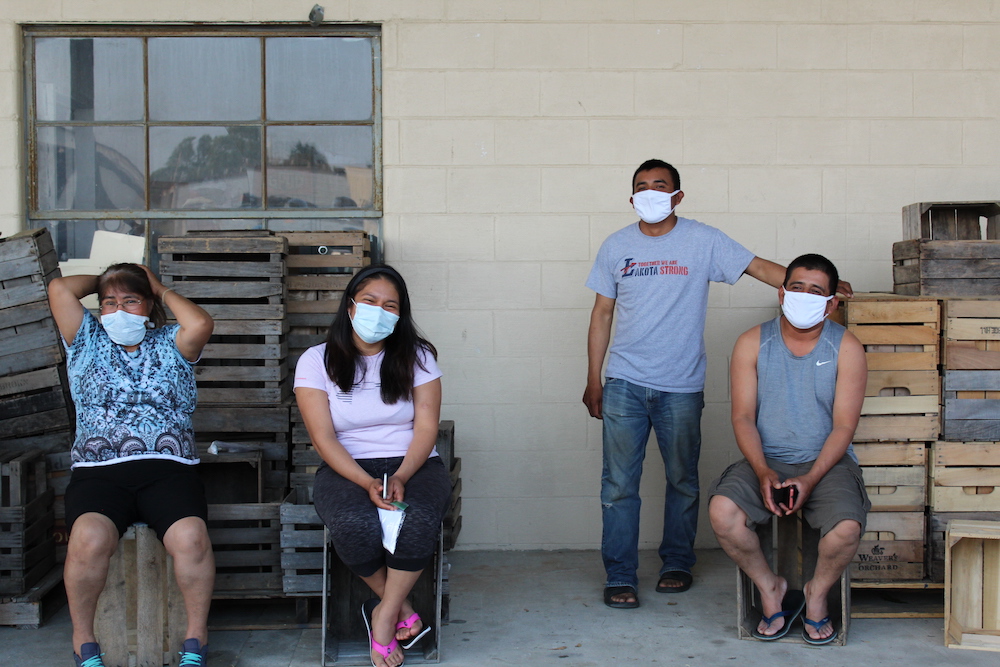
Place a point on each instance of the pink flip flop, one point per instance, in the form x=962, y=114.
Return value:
x=385, y=650
x=409, y=623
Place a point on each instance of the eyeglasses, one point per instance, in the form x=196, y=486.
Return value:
x=130, y=305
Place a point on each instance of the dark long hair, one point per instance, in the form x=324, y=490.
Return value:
x=131, y=278
x=344, y=360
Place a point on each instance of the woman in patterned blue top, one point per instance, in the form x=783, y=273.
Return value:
x=132, y=381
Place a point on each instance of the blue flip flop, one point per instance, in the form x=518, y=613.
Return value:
x=817, y=625
x=791, y=606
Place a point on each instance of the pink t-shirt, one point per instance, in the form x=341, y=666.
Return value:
x=365, y=426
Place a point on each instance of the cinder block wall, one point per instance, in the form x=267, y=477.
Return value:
x=511, y=129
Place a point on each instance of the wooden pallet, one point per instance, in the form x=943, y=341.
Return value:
x=239, y=279
x=246, y=539
x=27, y=549
x=39, y=602
x=946, y=269
x=301, y=547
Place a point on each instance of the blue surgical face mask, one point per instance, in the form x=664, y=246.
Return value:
x=124, y=327
x=372, y=323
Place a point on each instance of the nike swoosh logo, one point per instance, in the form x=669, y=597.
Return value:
x=820, y=363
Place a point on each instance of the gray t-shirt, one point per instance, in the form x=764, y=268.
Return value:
x=660, y=284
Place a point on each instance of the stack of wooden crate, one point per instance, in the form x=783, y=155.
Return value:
x=900, y=416
x=27, y=549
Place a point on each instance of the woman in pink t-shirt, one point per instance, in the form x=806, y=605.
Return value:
x=371, y=400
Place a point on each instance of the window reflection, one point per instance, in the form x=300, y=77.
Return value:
x=88, y=79
x=319, y=167
x=319, y=78
x=90, y=168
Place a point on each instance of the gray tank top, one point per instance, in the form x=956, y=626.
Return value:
x=795, y=394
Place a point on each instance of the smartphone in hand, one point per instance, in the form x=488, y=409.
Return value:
x=784, y=496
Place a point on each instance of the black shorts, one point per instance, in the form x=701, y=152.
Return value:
x=152, y=491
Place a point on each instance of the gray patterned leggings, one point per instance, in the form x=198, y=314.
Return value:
x=353, y=520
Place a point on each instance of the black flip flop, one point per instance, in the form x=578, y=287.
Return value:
x=676, y=575
x=611, y=591
x=817, y=625
x=791, y=606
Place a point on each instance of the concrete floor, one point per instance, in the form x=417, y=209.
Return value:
x=538, y=608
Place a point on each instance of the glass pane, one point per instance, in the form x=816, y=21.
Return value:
x=204, y=78
x=319, y=167
x=204, y=167
x=88, y=79
x=91, y=168
x=319, y=78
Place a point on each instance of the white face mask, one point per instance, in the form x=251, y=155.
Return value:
x=653, y=205
x=125, y=328
x=804, y=310
x=372, y=323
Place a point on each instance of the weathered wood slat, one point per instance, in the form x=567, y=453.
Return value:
x=29, y=405
x=230, y=289
x=170, y=269
x=193, y=244
x=22, y=295
x=969, y=328
x=898, y=427
x=968, y=268
x=971, y=308
x=244, y=351
x=966, y=454
x=961, y=355
x=890, y=453
x=917, y=382
x=971, y=429
x=889, y=361
x=264, y=311
x=265, y=396
x=241, y=419
x=895, y=334
x=250, y=327
x=877, y=311
x=976, y=380
x=32, y=312
x=18, y=360
x=35, y=423
x=320, y=261
x=895, y=475
x=903, y=525
x=327, y=307
x=900, y=405
x=972, y=408
x=960, y=287
x=31, y=381
x=966, y=476
x=330, y=283
x=240, y=373
x=26, y=243
x=332, y=239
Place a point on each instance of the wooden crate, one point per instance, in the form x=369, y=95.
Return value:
x=892, y=547
x=901, y=336
x=947, y=269
x=971, y=370
x=246, y=539
x=320, y=264
x=972, y=585
x=27, y=550
x=951, y=221
x=301, y=547
x=937, y=529
x=36, y=402
x=264, y=429
x=965, y=477
x=790, y=547
x=238, y=277
x=27, y=611
x=895, y=475
x=141, y=619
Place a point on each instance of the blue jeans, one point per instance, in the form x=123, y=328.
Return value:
x=629, y=412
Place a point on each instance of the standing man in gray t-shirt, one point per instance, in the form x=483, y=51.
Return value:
x=656, y=273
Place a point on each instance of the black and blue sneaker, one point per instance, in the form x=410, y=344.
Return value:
x=193, y=654
x=90, y=655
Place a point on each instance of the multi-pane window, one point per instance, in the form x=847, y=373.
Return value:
x=147, y=130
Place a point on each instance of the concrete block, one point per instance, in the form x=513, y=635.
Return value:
x=501, y=10
x=777, y=190
x=751, y=293
x=823, y=142
x=586, y=189
x=857, y=237
x=777, y=95
x=953, y=11
x=881, y=190
x=602, y=226
x=629, y=46
x=591, y=10
x=541, y=333
x=563, y=285
x=557, y=428
x=447, y=142
x=474, y=424
x=10, y=51
x=30, y=10
x=730, y=46
x=859, y=11
x=11, y=192
x=491, y=381
x=587, y=94
x=801, y=234
x=481, y=515
x=415, y=189
x=413, y=93
x=548, y=238
x=958, y=182
x=955, y=94
x=915, y=142
x=545, y=46
x=493, y=190
x=10, y=223
x=495, y=285
x=391, y=247
x=446, y=238
x=566, y=523
x=540, y=474
x=541, y=142
x=835, y=190
x=378, y=11
x=629, y=142
x=980, y=142
x=980, y=46
x=11, y=146
x=812, y=46
x=563, y=379
x=10, y=95
x=491, y=94
x=869, y=94
x=684, y=94
x=751, y=141
x=445, y=45
x=706, y=190
x=427, y=284
x=460, y=333
x=906, y=47
x=390, y=143
x=754, y=231
x=390, y=46
x=682, y=11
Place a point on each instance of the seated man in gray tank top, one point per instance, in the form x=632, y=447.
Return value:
x=798, y=382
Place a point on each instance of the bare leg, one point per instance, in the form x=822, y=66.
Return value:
x=194, y=567
x=396, y=586
x=91, y=545
x=376, y=582
x=743, y=546
x=836, y=549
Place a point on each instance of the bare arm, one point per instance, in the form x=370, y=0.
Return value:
x=314, y=404
x=64, y=301
x=743, y=387
x=426, y=415
x=598, y=339
x=196, y=324
x=852, y=376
